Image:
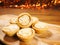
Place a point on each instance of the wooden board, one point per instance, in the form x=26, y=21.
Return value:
x=53, y=40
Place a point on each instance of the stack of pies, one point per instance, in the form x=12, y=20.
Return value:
x=25, y=27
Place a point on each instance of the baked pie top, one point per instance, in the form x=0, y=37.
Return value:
x=13, y=20
x=10, y=29
x=24, y=20
x=34, y=19
x=26, y=33
x=40, y=25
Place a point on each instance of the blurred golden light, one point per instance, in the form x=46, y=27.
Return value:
x=44, y=5
x=11, y=6
x=58, y=1
x=16, y=5
x=0, y=1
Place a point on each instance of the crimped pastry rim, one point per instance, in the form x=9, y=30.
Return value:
x=26, y=38
x=30, y=22
x=38, y=30
x=11, y=33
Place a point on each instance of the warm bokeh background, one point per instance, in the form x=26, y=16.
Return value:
x=30, y=4
x=46, y=10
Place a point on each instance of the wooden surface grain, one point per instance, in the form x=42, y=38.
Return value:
x=47, y=15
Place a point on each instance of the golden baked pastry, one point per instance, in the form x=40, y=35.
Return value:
x=26, y=34
x=11, y=29
x=24, y=20
x=34, y=19
x=13, y=20
x=41, y=29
